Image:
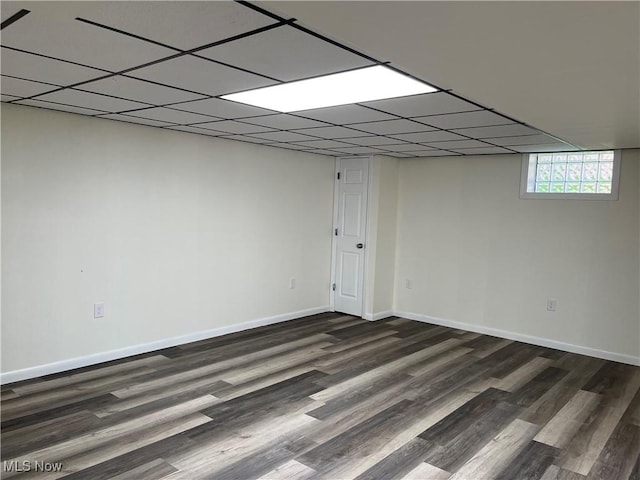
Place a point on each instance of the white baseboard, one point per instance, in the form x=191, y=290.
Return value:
x=543, y=342
x=78, y=362
x=378, y=315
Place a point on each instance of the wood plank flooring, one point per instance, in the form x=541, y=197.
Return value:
x=330, y=397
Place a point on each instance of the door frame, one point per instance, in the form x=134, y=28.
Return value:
x=334, y=243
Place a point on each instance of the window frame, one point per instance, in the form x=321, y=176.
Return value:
x=615, y=181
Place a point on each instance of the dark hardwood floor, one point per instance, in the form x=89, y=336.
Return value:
x=333, y=397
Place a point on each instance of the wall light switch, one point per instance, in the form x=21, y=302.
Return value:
x=292, y=283
x=408, y=284
x=98, y=310
x=551, y=304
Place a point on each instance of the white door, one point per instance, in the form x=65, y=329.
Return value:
x=352, y=184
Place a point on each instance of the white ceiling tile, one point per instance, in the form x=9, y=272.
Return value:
x=330, y=153
x=201, y=131
x=23, y=88
x=130, y=119
x=497, y=131
x=426, y=137
x=244, y=138
x=421, y=105
x=390, y=127
x=285, y=53
x=60, y=107
x=345, y=114
x=289, y=146
x=170, y=115
x=524, y=140
x=284, y=122
x=200, y=76
x=139, y=90
x=482, y=151
x=323, y=144
x=234, y=127
x=422, y=150
x=51, y=29
x=463, y=120
x=42, y=69
x=285, y=136
x=90, y=100
x=207, y=22
x=222, y=108
x=360, y=150
x=549, y=147
x=373, y=140
x=402, y=147
x=461, y=144
x=399, y=154
x=434, y=153
x=331, y=132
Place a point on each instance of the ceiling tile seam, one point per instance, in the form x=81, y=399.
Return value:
x=210, y=97
x=52, y=109
x=150, y=105
x=133, y=123
x=98, y=111
x=510, y=118
x=164, y=59
x=368, y=134
x=294, y=130
x=480, y=107
x=293, y=23
x=418, y=116
x=293, y=142
x=187, y=52
x=213, y=133
x=173, y=124
x=486, y=126
x=167, y=106
x=54, y=58
x=338, y=44
x=263, y=11
x=105, y=95
x=488, y=144
x=436, y=129
x=235, y=67
x=351, y=125
x=321, y=124
x=129, y=34
x=14, y=18
x=160, y=84
x=30, y=80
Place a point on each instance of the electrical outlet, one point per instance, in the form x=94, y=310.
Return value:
x=551, y=304
x=98, y=310
x=408, y=284
x=292, y=283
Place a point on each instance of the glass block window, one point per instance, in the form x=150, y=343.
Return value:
x=585, y=175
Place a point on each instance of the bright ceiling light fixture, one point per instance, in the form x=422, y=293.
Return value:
x=362, y=85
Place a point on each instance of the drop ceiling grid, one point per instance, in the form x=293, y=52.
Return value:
x=163, y=81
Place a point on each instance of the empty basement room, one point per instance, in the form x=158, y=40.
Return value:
x=320, y=240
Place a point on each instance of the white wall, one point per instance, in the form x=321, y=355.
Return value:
x=387, y=213
x=479, y=255
x=380, y=250
x=176, y=233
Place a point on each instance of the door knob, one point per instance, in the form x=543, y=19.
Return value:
x=360, y=245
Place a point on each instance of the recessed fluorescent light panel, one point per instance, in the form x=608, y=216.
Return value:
x=362, y=85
